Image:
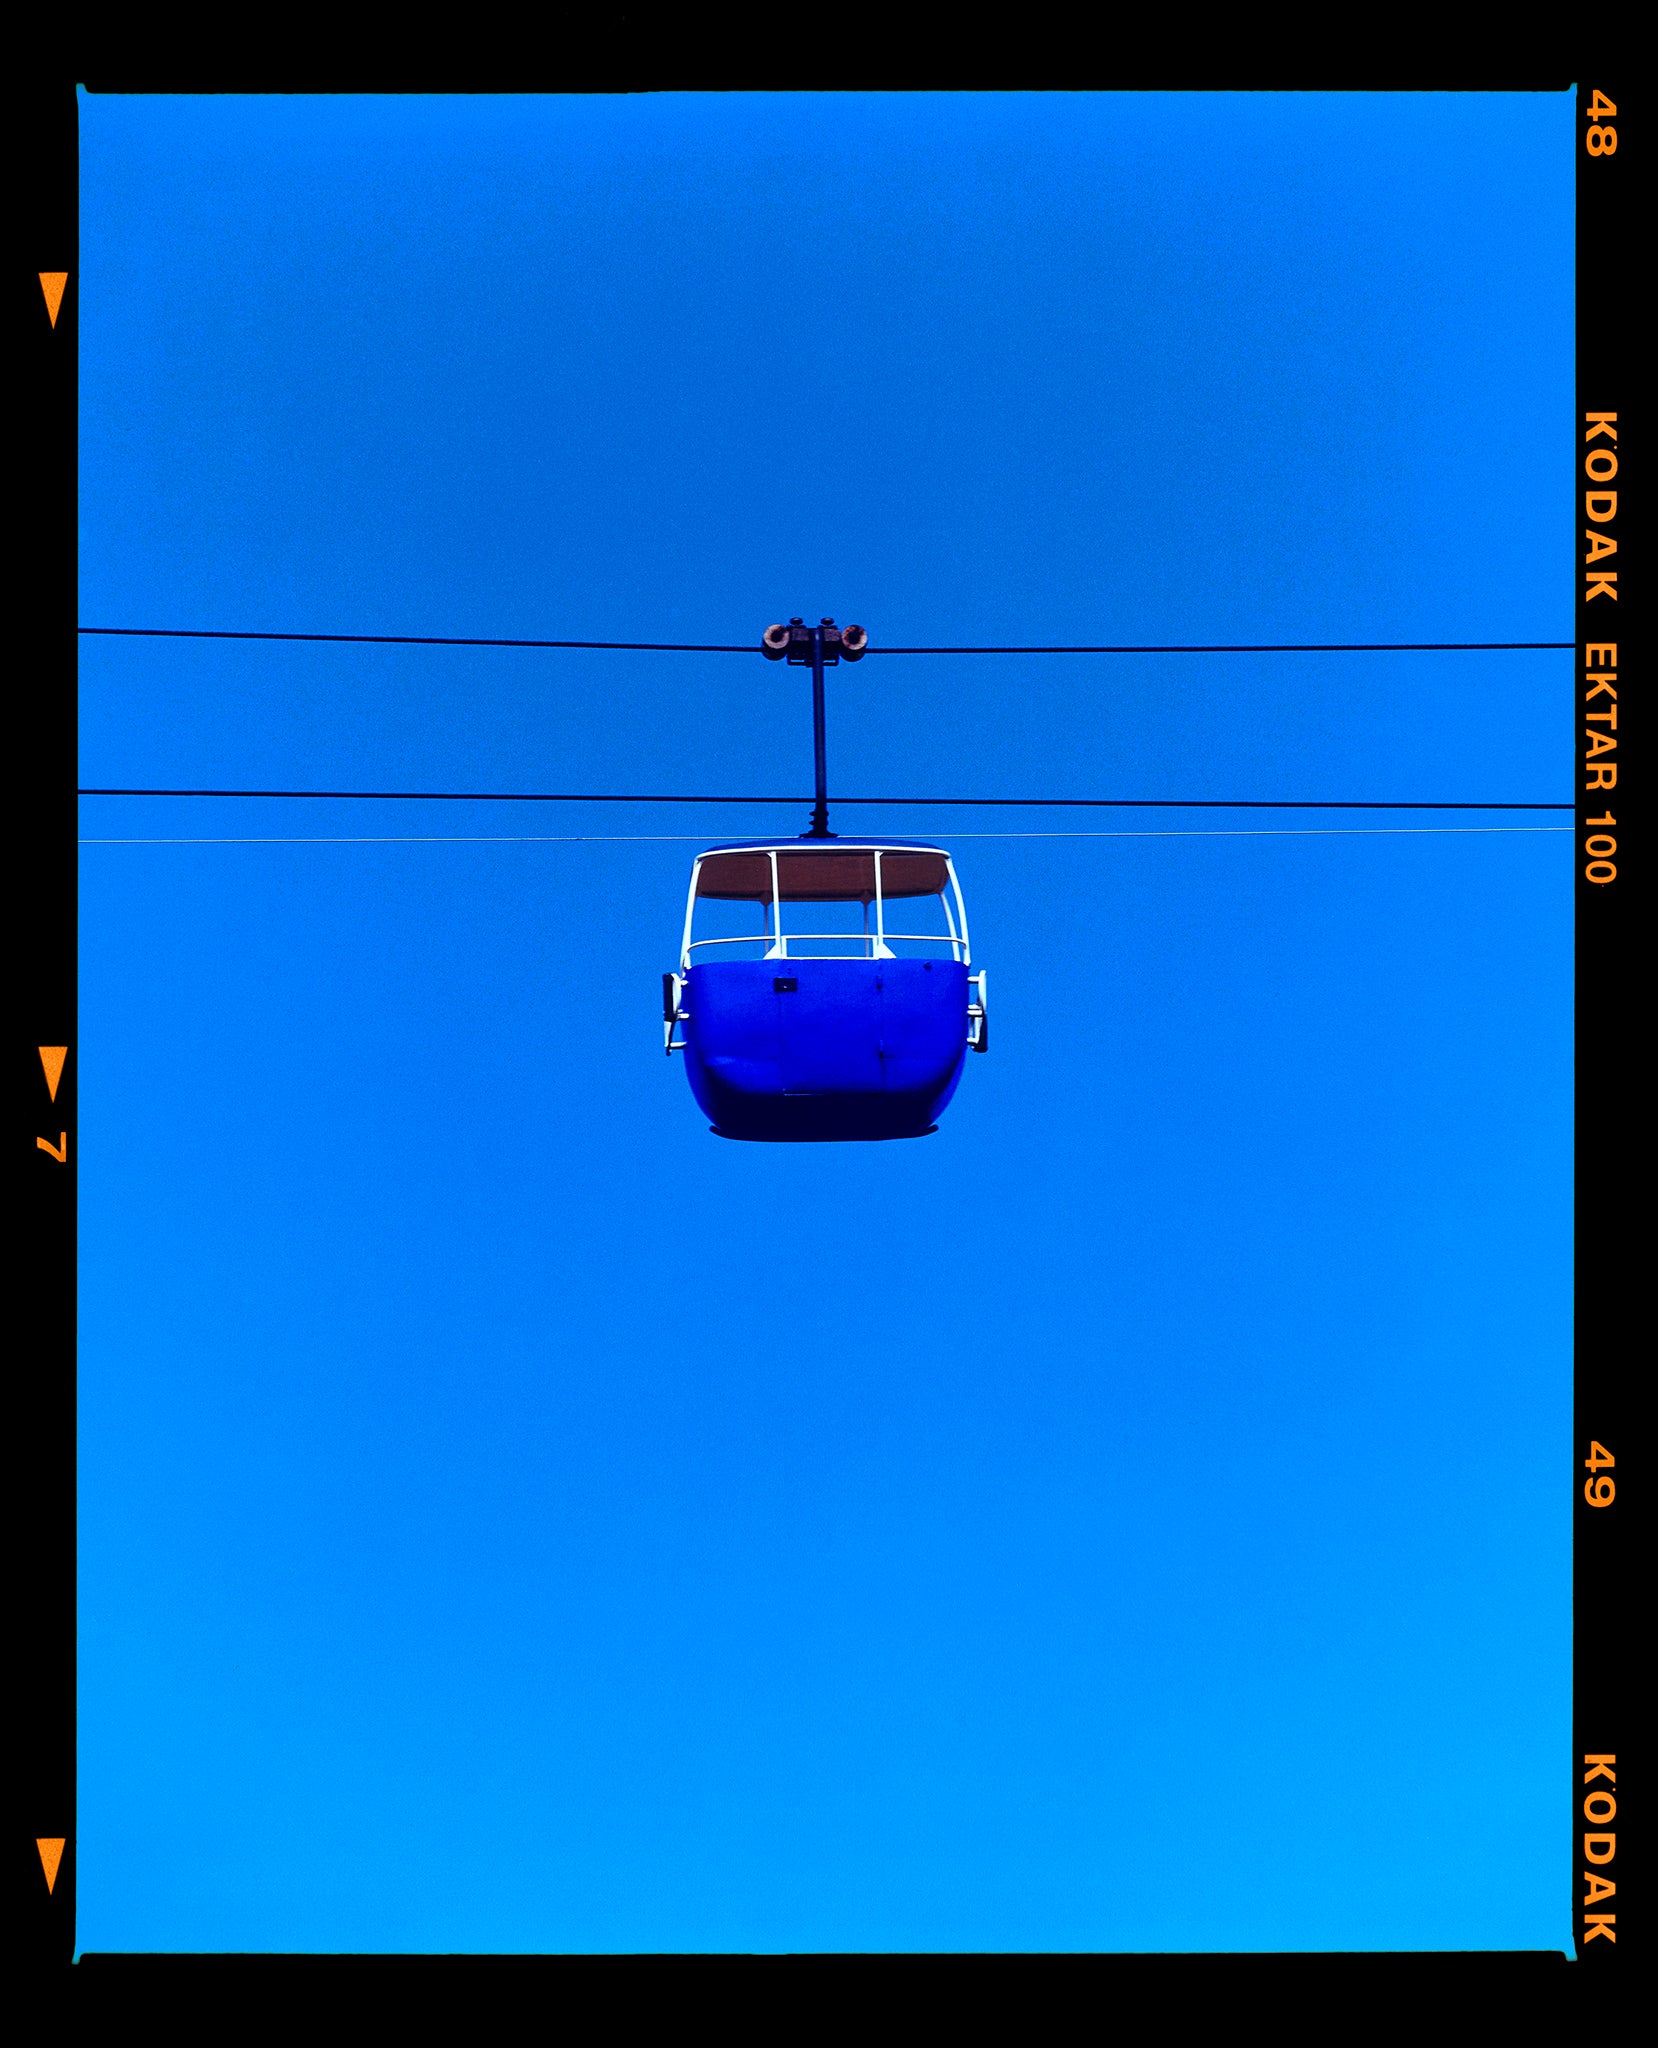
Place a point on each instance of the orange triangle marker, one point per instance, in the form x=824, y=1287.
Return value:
x=52, y=283
x=51, y=1855
x=52, y=1058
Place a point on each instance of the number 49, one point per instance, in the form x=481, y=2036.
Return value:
x=1599, y=1493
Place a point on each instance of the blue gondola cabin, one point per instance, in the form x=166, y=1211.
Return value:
x=848, y=1013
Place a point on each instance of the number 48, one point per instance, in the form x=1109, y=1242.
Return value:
x=1601, y=141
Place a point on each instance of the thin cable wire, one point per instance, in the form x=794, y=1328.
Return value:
x=753, y=646
x=700, y=838
x=1251, y=647
x=1096, y=803
x=413, y=640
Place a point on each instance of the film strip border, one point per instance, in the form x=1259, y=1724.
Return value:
x=1609, y=874
x=43, y=1155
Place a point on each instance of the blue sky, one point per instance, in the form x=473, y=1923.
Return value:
x=514, y=1519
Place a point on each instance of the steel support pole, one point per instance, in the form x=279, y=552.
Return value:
x=820, y=810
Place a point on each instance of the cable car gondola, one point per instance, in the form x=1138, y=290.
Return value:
x=838, y=1018
x=826, y=1034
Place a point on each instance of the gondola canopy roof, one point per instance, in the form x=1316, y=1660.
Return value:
x=843, y=871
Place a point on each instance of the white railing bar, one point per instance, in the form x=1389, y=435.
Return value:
x=847, y=938
x=690, y=912
x=961, y=907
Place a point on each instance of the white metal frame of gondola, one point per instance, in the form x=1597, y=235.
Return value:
x=777, y=941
